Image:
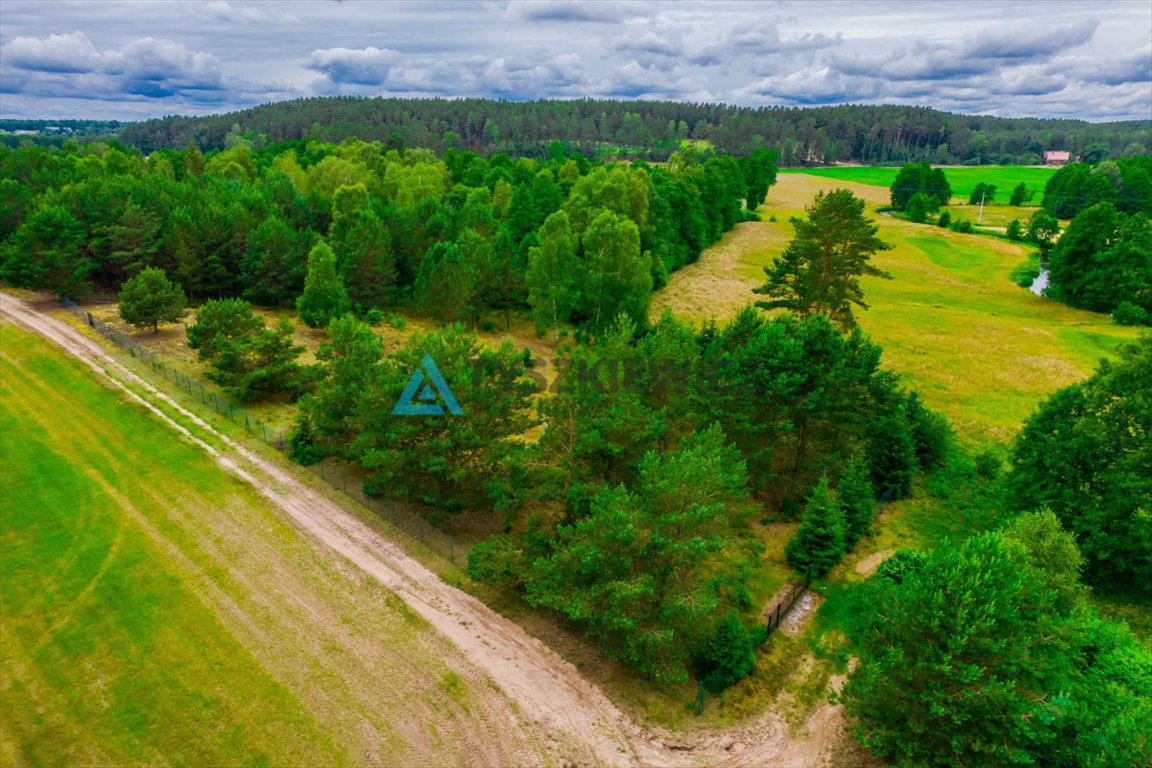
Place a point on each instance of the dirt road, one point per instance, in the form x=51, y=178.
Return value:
x=557, y=705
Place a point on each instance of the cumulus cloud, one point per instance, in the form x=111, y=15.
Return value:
x=363, y=66
x=72, y=52
x=70, y=66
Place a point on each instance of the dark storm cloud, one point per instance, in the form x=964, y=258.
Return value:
x=132, y=59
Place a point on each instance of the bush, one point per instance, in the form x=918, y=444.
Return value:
x=916, y=209
x=374, y=317
x=962, y=225
x=1026, y=272
x=988, y=464
x=931, y=433
x=944, y=220
x=727, y=656
x=772, y=218
x=1127, y=313
x=902, y=564
x=396, y=321
x=1015, y=230
x=302, y=447
x=487, y=326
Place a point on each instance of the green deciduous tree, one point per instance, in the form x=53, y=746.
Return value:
x=553, y=274
x=982, y=193
x=1085, y=454
x=819, y=272
x=1021, y=194
x=617, y=276
x=150, y=298
x=1102, y=259
x=324, y=297
x=971, y=657
x=916, y=209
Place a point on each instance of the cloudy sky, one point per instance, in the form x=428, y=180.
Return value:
x=131, y=60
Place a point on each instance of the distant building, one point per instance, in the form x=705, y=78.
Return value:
x=1056, y=158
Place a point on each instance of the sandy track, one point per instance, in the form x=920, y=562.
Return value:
x=556, y=704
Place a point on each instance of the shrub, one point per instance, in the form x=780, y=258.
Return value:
x=1127, y=313
x=1026, y=272
x=988, y=464
x=1015, y=230
x=727, y=656
x=302, y=446
x=916, y=209
x=902, y=564
x=931, y=432
x=944, y=220
x=374, y=317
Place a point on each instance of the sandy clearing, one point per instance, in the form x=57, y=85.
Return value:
x=555, y=703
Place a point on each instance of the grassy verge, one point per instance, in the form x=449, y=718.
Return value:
x=153, y=607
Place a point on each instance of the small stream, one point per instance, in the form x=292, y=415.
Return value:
x=1040, y=283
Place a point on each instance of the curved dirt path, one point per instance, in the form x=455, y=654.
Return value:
x=556, y=703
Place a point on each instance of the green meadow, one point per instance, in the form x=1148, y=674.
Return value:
x=952, y=323
x=156, y=610
x=963, y=179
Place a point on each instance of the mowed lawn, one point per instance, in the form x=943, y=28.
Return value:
x=976, y=346
x=154, y=610
x=962, y=179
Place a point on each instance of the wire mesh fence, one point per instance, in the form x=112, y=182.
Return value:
x=346, y=479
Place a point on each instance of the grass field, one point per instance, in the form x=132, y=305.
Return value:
x=963, y=179
x=156, y=610
x=979, y=348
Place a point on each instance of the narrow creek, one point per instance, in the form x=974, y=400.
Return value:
x=1041, y=282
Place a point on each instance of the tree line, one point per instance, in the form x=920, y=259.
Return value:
x=653, y=130
x=356, y=226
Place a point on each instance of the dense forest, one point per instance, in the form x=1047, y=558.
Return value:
x=461, y=234
x=653, y=130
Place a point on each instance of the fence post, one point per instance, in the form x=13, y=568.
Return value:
x=91, y=320
x=247, y=424
x=264, y=430
x=452, y=549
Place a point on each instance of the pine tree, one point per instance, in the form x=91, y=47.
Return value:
x=149, y=299
x=324, y=296
x=819, y=272
x=368, y=264
x=819, y=541
x=857, y=499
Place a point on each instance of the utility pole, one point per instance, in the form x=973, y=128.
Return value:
x=980, y=215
